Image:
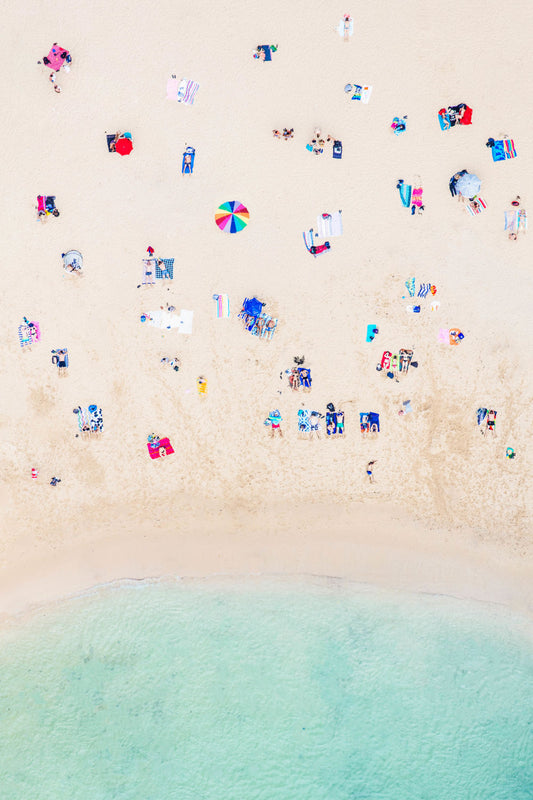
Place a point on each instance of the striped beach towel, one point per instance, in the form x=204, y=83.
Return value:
x=424, y=289
x=164, y=269
x=187, y=91
x=509, y=148
x=475, y=205
x=222, y=301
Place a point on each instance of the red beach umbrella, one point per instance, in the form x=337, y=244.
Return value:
x=124, y=146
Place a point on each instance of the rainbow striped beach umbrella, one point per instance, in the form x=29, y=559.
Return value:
x=232, y=216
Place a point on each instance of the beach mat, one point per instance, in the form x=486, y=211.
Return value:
x=222, y=301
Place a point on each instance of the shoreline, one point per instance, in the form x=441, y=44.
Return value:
x=378, y=546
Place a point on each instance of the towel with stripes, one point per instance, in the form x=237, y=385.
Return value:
x=222, y=301
x=187, y=91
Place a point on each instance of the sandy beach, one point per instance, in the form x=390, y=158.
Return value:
x=448, y=512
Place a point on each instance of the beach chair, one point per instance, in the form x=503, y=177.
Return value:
x=164, y=269
x=187, y=164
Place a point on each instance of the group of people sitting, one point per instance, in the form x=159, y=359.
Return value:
x=287, y=133
x=46, y=206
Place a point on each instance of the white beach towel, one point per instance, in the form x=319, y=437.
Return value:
x=361, y=93
x=329, y=225
x=340, y=28
x=185, y=321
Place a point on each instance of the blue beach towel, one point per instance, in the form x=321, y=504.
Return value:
x=405, y=193
x=266, y=50
x=187, y=169
x=166, y=271
x=371, y=331
x=498, y=151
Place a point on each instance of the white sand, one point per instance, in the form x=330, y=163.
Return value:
x=448, y=513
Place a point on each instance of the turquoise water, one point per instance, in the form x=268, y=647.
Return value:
x=266, y=689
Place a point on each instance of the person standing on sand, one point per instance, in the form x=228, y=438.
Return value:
x=370, y=471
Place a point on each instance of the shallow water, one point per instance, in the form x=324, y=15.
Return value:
x=266, y=689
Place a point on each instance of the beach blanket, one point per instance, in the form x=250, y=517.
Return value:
x=56, y=58
x=149, y=266
x=481, y=414
x=502, y=149
x=329, y=224
x=335, y=423
x=424, y=290
x=361, y=93
x=187, y=91
x=164, y=271
x=222, y=301
x=28, y=333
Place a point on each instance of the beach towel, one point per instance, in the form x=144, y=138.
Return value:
x=405, y=193
x=308, y=239
x=369, y=422
x=405, y=358
x=90, y=419
x=444, y=336
x=475, y=205
x=416, y=196
x=187, y=164
x=304, y=420
x=444, y=119
x=266, y=49
x=398, y=125
x=187, y=91
x=172, y=88
x=371, y=331
x=342, y=31
x=424, y=289
x=304, y=376
x=56, y=58
x=329, y=224
x=510, y=151
x=201, y=385
x=481, y=414
x=361, y=93
x=410, y=286
x=516, y=221
x=435, y=305
x=60, y=358
x=153, y=447
x=149, y=267
x=222, y=301
x=335, y=423
x=337, y=148
x=185, y=321
x=164, y=271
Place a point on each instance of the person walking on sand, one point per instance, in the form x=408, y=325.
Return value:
x=370, y=471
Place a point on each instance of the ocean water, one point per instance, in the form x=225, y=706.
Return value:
x=276, y=690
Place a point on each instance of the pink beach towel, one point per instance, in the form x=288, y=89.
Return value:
x=222, y=305
x=54, y=57
x=416, y=197
x=444, y=336
x=172, y=88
